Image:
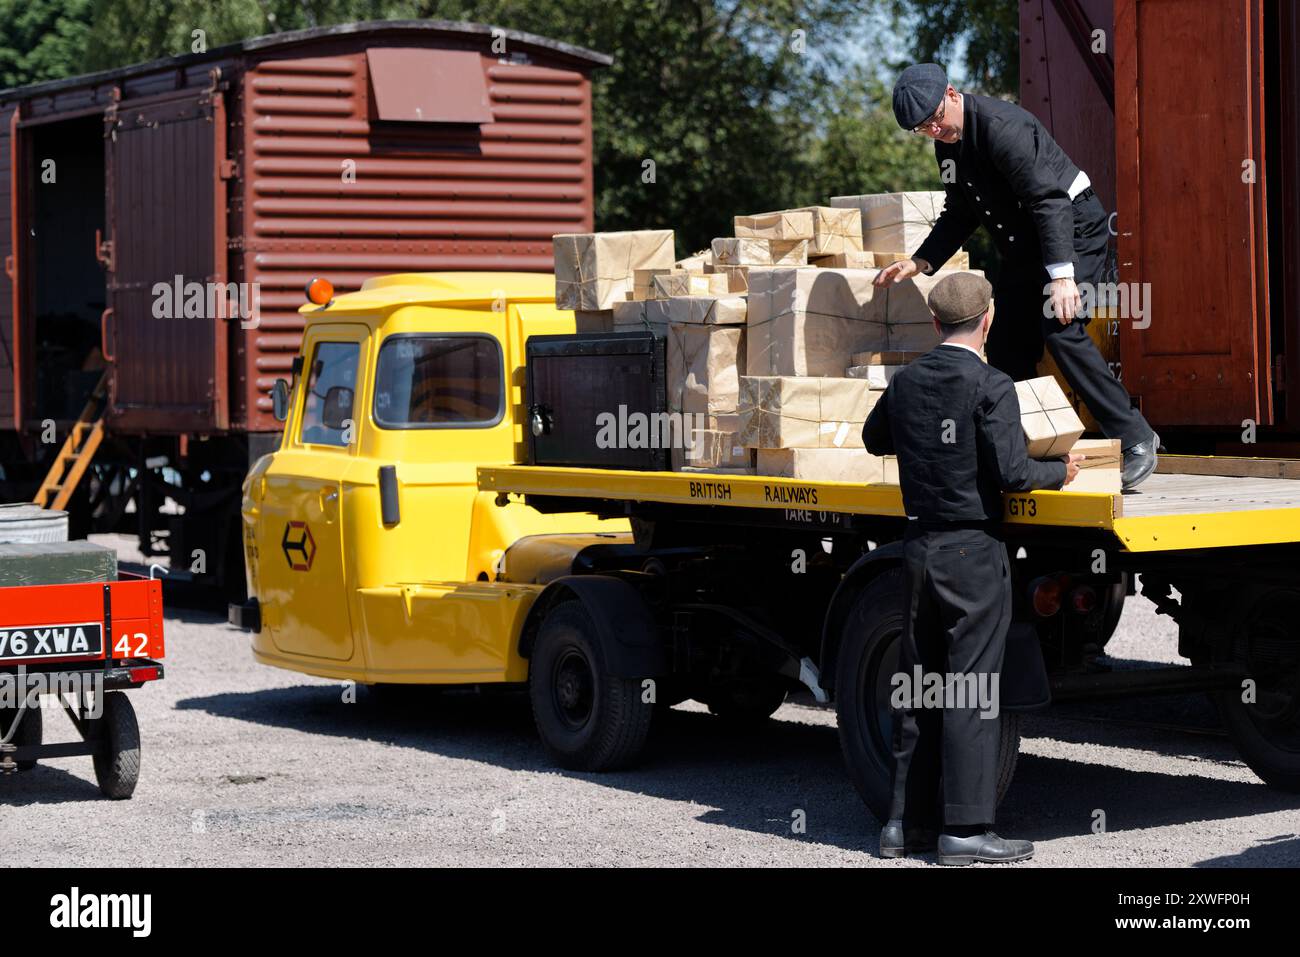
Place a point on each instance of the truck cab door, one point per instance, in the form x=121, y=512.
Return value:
x=305, y=576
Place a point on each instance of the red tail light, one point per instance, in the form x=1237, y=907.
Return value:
x=1083, y=599
x=1045, y=595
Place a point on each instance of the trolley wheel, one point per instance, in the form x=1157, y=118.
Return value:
x=588, y=719
x=28, y=733
x=117, y=762
x=868, y=659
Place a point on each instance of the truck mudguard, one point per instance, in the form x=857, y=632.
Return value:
x=627, y=630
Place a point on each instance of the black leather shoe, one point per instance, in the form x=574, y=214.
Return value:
x=987, y=848
x=1139, y=462
x=893, y=843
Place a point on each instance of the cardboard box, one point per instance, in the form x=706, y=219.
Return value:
x=713, y=450
x=737, y=277
x=694, y=263
x=594, y=270
x=1100, y=470
x=853, y=259
x=737, y=251
x=1050, y=422
x=876, y=376
x=787, y=224
x=705, y=362
x=884, y=358
x=822, y=465
x=599, y=320
x=809, y=322
x=836, y=231
x=895, y=221
x=781, y=412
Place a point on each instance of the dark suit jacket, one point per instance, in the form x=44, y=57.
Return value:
x=1009, y=175
x=954, y=423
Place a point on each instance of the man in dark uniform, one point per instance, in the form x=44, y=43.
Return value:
x=954, y=423
x=1002, y=169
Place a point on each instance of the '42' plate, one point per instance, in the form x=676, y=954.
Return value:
x=52, y=641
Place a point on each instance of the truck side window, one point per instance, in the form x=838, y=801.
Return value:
x=331, y=386
x=432, y=381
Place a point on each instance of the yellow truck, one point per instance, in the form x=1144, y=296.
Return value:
x=398, y=536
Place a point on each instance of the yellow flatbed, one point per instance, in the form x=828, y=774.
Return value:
x=1168, y=512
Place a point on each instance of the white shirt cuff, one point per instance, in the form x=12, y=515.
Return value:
x=1060, y=270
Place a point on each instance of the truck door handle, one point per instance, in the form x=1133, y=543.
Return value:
x=328, y=499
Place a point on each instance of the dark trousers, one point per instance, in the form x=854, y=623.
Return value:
x=1020, y=329
x=958, y=590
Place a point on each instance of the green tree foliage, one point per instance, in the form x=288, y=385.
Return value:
x=42, y=39
x=989, y=30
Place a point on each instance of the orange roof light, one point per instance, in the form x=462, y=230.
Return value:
x=320, y=291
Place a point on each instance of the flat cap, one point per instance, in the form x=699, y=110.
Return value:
x=917, y=93
x=960, y=298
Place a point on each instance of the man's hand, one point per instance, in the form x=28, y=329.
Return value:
x=897, y=272
x=1066, y=303
x=1071, y=461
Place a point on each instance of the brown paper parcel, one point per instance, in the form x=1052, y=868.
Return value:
x=642, y=315
x=895, y=222
x=787, y=224
x=1100, y=469
x=704, y=365
x=803, y=411
x=712, y=448
x=836, y=230
x=735, y=251
x=708, y=310
x=595, y=270
x=809, y=322
x=1051, y=425
x=822, y=465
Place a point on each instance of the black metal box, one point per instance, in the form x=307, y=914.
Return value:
x=599, y=400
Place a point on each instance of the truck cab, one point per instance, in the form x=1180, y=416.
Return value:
x=371, y=554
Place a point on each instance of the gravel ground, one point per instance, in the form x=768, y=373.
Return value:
x=245, y=765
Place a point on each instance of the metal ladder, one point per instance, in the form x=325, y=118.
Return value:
x=77, y=452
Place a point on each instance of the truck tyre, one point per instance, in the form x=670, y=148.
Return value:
x=868, y=657
x=28, y=733
x=117, y=762
x=588, y=720
x=1267, y=730
x=747, y=702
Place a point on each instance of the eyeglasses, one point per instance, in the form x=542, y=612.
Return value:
x=933, y=121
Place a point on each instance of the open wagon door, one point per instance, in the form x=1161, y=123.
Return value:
x=1189, y=98
x=166, y=224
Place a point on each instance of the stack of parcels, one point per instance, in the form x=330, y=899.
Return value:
x=829, y=231
x=895, y=224
x=1052, y=427
x=1100, y=470
x=810, y=322
x=808, y=427
x=706, y=357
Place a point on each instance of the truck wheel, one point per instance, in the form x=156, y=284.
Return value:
x=588, y=719
x=868, y=658
x=27, y=733
x=750, y=701
x=1267, y=730
x=117, y=762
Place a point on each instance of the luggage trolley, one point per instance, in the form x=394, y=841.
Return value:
x=82, y=643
